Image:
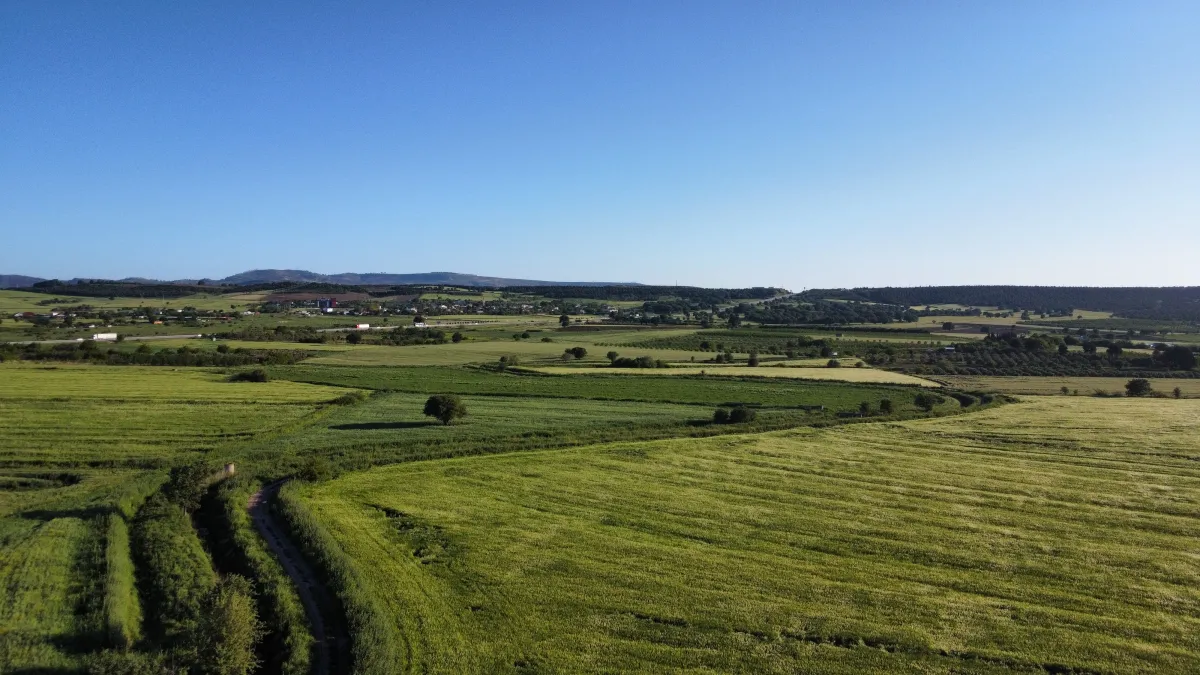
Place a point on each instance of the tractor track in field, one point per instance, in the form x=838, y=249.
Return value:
x=328, y=622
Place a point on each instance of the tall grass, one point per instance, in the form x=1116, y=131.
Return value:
x=175, y=573
x=378, y=647
x=122, y=612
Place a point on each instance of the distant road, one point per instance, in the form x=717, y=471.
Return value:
x=131, y=338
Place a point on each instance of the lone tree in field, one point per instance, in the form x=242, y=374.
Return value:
x=456, y=338
x=864, y=408
x=577, y=352
x=564, y=321
x=1137, y=387
x=611, y=356
x=445, y=407
x=1178, y=393
x=885, y=406
x=753, y=360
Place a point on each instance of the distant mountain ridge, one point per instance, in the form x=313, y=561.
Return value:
x=388, y=279
x=269, y=276
x=17, y=281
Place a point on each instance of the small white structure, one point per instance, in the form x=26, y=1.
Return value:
x=362, y=326
x=104, y=337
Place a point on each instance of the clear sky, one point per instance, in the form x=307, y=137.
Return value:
x=708, y=143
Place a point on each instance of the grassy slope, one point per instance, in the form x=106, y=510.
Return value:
x=1056, y=532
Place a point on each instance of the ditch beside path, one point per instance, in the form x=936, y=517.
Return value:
x=331, y=654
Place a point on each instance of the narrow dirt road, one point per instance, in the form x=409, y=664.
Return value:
x=332, y=653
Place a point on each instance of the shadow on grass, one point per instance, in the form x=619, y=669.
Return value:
x=364, y=426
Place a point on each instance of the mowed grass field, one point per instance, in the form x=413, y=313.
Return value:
x=846, y=374
x=69, y=415
x=1086, y=386
x=1055, y=535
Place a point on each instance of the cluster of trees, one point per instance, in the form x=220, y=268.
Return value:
x=618, y=361
x=1167, y=303
x=1042, y=355
x=823, y=312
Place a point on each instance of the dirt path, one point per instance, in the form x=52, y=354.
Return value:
x=332, y=650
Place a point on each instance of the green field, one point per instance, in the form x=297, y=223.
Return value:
x=847, y=374
x=1054, y=535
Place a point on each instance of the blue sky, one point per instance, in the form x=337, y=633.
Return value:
x=707, y=143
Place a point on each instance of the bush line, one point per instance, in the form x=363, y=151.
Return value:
x=377, y=646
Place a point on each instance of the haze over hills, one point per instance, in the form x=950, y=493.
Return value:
x=347, y=278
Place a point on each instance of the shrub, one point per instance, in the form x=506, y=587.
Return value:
x=256, y=375
x=1177, y=392
x=864, y=408
x=577, y=352
x=721, y=416
x=315, y=469
x=1138, y=387
x=925, y=401
x=885, y=406
x=445, y=407
x=964, y=400
x=456, y=338
x=229, y=629
x=352, y=398
x=741, y=415
x=833, y=363
x=753, y=360
x=187, y=484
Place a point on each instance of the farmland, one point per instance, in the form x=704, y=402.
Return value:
x=1017, y=538
x=887, y=515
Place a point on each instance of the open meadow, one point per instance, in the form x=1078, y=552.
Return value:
x=1053, y=535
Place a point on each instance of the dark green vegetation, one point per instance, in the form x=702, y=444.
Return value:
x=1177, y=303
x=144, y=354
x=1041, y=355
